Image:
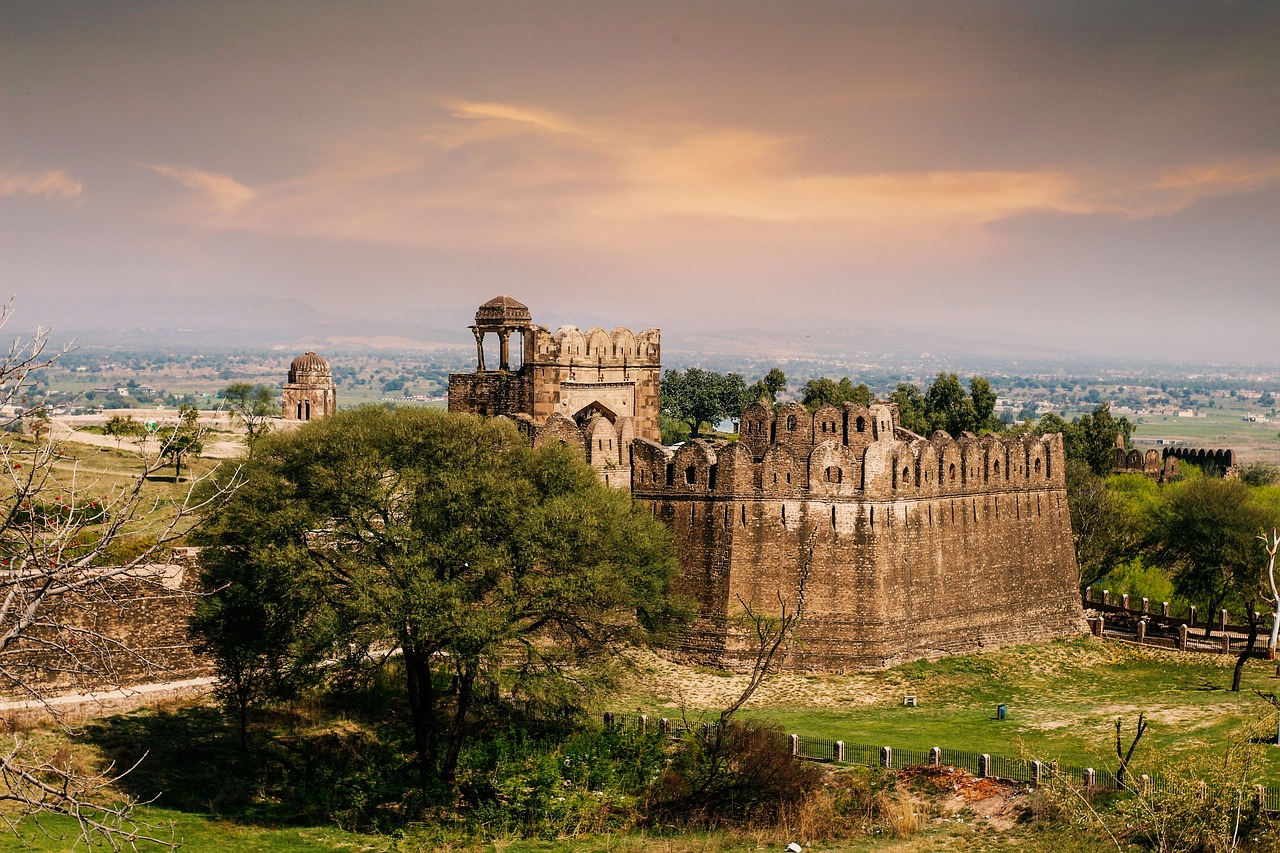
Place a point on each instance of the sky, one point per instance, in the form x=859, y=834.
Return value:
x=1093, y=174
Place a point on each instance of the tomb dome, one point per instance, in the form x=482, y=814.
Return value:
x=309, y=368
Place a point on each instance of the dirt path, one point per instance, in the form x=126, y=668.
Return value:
x=67, y=428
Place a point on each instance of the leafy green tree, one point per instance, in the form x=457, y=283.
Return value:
x=773, y=383
x=1204, y=531
x=949, y=407
x=256, y=408
x=256, y=627
x=912, y=414
x=1095, y=438
x=1105, y=533
x=185, y=438
x=449, y=539
x=984, y=403
x=698, y=396
x=824, y=391
x=121, y=427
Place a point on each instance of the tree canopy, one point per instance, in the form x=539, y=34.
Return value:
x=255, y=406
x=947, y=406
x=773, y=383
x=1205, y=532
x=824, y=391
x=698, y=396
x=445, y=538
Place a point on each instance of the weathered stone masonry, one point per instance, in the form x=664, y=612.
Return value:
x=893, y=546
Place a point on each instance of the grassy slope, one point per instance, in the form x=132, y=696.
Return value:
x=1063, y=701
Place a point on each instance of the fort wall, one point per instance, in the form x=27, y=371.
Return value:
x=892, y=549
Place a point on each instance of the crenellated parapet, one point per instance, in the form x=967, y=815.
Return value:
x=881, y=469
x=568, y=345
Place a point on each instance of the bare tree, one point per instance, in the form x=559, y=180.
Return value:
x=1272, y=545
x=61, y=529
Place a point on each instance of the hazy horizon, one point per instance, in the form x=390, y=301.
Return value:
x=1089, y=177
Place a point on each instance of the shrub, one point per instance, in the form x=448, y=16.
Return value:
x=745, y=776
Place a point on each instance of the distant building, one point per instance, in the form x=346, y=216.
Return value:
x=310, y=392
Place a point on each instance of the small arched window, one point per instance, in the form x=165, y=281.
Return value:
x=791, y=423
x=906, y=475
x=691, y=475
x=1037, y=466
x=833, y=474
x=862, y=424
x=951, y=472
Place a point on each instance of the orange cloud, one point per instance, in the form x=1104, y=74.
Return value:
x=223, y=194
x=494, y=174
x=56, y=184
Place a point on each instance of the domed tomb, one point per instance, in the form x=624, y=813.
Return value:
x=310, y=392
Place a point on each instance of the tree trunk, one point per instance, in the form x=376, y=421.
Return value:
x=1248, y=649
x=417, y=669
x=462, y=698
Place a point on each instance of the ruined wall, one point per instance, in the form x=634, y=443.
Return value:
x=893, y=550
x=490, y=393
x=123, y=632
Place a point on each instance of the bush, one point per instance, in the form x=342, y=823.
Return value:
x=512, y=784
x=744, y=777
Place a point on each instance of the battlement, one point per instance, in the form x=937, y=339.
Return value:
x=844, y=467
x=569, y=346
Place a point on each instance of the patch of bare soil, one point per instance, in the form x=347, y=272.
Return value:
x=684, y=686
x=992, y=801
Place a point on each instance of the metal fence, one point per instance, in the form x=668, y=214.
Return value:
x=982, y=765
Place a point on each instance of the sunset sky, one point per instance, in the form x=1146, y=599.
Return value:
x=1096, y=174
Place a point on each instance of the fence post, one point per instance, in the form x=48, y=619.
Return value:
x=1106, y=596
x=1182, y=638
x=1089, y=777
x=984, y=766
x=794, y=741
x=840, y=751
x=1144, y=784
x=1037, y=773
x=886, y=756
x=1088, y=596
x=706, y=731
x=664, y=726
x=1142, y=631
x=1202, y=791
x=1260, y=794
x=608, y=719
x=935, y=757
x=1124, y=600
x=1226, y=644
x=644, y=723
x=1224, y=618
x=1191, y=616
x=1164, y=609
x=1146, y=606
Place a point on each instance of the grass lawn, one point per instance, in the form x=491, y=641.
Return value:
x=1063, y=700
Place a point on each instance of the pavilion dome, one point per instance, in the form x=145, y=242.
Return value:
x=503, y=311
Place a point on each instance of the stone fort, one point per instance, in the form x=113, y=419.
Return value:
x=891, y=546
